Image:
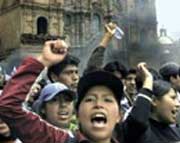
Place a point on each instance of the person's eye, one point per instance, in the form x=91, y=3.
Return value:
x=53, y=100
x=174, y=97
x=70, y=72
x=90, y=99
x=67, y=72
x=68, y=99
x=109, y=99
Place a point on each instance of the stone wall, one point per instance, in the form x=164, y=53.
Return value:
x=10, y=29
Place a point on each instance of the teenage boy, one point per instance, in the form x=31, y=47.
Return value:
x=56, y=105
x=66, y=72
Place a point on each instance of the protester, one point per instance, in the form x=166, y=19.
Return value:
x=170, y=73
x=56, y=105
x=117, y=68
x=130, y=90
x=164, y=110
x=66, y=72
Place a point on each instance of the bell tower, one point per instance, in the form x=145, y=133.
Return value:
x=25, y=24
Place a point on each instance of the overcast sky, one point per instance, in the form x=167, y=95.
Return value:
x=168, y=16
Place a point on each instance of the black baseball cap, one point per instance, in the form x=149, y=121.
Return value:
x=99, y=77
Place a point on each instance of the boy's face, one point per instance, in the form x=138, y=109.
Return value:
x=69, y=76
x=98, y=113
x=130, y=83
x=166, y=108
x=59, y=111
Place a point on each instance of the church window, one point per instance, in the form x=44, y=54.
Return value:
x=68, y=20
x=96, y=23
x=42, y=25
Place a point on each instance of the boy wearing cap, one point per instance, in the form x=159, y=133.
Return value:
x=56, y=105
x=98, y=106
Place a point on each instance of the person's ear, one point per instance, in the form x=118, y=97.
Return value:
x=154, y=101
x=43, y=113
x=119, y=118
x=54, y=77
x=173, y=79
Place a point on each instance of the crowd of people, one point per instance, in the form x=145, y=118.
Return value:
x=108, y=104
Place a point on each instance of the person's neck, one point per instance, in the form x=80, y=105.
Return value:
x=64, y=126
x=107, y=140
x=103, y=141
x=129, y=98
x=155, y=118
x=59, y=125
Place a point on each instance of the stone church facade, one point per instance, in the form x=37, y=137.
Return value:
x=26, y=24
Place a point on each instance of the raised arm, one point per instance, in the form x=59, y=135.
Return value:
x=138, y=120
x=97, y=56
x=26, y=125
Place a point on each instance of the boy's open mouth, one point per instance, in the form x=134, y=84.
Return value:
x=98, y=119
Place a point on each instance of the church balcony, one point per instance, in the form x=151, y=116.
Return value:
x=34, y=39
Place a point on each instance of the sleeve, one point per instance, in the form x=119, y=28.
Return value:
x=138, y=120
x=27, y=126
x=96, y=59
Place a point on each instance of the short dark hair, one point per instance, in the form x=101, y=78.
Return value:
x=116, y=66
x=169, y=69
x=131, y=71
x=160, y=88
x=59, y=67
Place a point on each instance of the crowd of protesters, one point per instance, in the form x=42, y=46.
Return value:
x=108, y=104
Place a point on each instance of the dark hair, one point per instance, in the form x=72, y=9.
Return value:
x=155, y=74
x=91, y=68
x=160, y=88
x=59, y=67
x=116, y=66
x=169, y=69
x=132, y=71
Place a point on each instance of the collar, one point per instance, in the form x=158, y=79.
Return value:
x=82, y=139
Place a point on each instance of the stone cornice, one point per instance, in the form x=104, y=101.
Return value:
x=28, y=38
x=37, y=6
x=7, y=9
